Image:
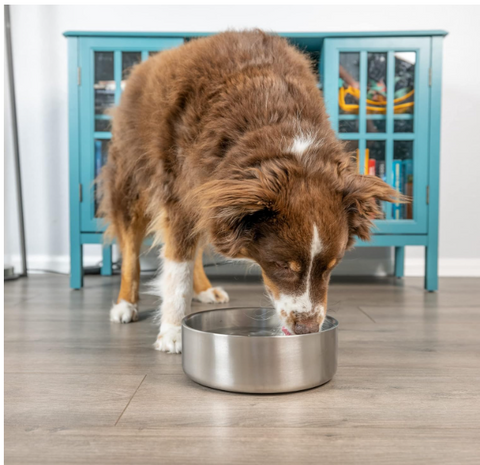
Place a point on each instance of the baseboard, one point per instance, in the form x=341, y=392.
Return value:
x=348, y=267
x=454, y=267
x=447, y=267
x=57, y=263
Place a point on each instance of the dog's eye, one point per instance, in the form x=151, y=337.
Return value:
x=282, y=265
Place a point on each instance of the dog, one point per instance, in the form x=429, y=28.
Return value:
x=225, y=140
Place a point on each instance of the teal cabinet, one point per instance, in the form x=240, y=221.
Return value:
x=382, y=92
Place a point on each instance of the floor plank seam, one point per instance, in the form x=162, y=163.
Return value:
x=366, y=314
x=128, y=403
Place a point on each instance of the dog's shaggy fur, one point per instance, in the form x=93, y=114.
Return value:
x=225, y=140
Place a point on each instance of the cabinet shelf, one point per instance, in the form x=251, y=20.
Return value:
x=102, y=135
x=405, y=116
x=376, y=136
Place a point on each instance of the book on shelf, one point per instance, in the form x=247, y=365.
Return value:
x=402, y=171
x=98, y=157
x=101, y=154
x=397, y=185
x=408, y=188
x=371, y=167
x=380, y=169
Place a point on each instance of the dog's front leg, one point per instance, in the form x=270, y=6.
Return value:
x=175, y=286
x=175, y=283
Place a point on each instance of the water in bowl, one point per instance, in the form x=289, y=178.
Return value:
x=249, y=331
x=262, y=332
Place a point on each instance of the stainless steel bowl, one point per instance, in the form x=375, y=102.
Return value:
x=244, y=350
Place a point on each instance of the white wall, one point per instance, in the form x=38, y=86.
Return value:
x=40, y=54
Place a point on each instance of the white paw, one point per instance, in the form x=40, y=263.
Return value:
x=123, y=312
x=214, y=295
x=170, y=339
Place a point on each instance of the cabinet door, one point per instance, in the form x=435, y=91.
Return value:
x=104, y=67
x=377, y=97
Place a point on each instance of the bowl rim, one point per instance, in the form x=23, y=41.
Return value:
x=279, y=336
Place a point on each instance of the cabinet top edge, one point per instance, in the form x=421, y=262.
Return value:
x=300, y=35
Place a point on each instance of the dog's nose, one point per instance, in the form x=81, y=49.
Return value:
x=306, y=327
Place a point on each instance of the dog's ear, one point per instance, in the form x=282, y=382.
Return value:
x=232, y=210
x=361, y=194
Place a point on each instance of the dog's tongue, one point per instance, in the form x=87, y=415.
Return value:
x=286, y=331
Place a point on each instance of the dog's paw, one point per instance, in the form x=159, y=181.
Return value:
x=170, y=339
x=124, y=312
x=214, y=295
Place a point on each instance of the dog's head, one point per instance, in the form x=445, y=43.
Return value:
x=296, y=226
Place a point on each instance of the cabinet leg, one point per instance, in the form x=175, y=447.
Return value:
x=106, y=261
x=76, y=266
x=431, y=269
x=399, y=261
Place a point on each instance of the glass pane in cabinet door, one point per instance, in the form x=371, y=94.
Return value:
x=348, y=86
x=101, y=154
x=402, y=169
x=376, y=92
x=104, y=87
x=375, y=164
x=403, y=125
x=102, y=125
x=376, y=125
x=404, y=96
x=129, y=60
x=348, y=125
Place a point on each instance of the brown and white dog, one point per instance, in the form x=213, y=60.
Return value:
x=225, y=140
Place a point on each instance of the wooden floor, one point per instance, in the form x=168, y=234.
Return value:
x=79, y=389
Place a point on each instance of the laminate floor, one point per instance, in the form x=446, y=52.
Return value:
x=79, y=389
